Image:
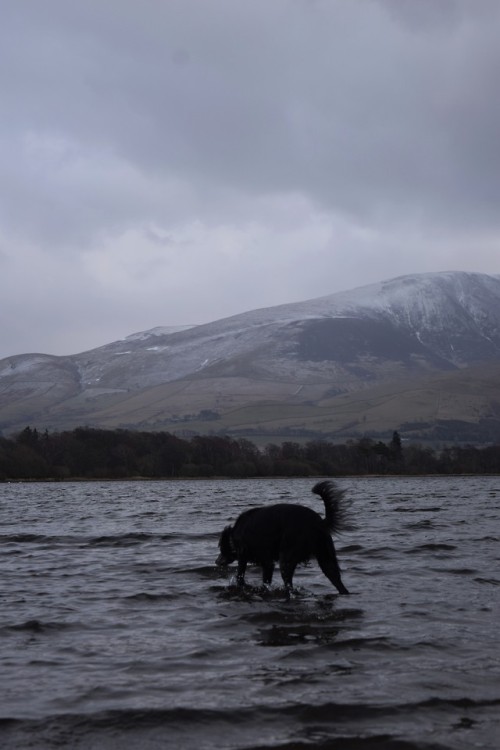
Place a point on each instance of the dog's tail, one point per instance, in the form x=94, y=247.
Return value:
x=336, y=515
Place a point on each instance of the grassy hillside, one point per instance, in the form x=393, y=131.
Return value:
x=250, y=408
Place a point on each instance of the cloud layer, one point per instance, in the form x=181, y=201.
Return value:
x=171, y=163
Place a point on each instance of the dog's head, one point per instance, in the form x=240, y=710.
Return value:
x=227, y=548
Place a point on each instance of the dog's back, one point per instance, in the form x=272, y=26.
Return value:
x=263, y=533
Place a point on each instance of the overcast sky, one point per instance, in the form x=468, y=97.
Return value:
x=169, y=162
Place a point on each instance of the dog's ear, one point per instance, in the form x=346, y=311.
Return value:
x=226, y=544
x=231, y=540
x=223, y=537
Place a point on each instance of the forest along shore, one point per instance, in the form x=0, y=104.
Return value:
x=90, y=453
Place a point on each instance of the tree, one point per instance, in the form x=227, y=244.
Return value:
x=396, y=447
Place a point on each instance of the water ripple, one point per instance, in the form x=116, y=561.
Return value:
x=117, y=630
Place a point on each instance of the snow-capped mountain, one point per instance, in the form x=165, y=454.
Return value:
x=302, y=353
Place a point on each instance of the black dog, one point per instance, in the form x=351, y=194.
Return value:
x=290, y=534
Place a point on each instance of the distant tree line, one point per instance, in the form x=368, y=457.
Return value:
x=119, y=454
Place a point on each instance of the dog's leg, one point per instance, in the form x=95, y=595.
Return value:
x=267, y=572
x=287, y=569
x=327, y=561
x=330, y=568
x=240, y=574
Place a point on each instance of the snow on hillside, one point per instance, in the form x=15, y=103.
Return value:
x=157, y=331
x=438, y=309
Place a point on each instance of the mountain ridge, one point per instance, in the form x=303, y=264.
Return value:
x=404, y=329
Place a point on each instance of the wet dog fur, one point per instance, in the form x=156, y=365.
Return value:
x=289, y=534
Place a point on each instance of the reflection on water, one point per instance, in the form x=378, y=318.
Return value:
x=116, y=630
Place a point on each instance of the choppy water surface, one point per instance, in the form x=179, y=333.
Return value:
x=117, y=631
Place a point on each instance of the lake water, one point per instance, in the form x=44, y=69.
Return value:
x=117, y=631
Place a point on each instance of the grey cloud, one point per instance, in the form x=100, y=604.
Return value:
x=426, y=15
x=334, y=99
